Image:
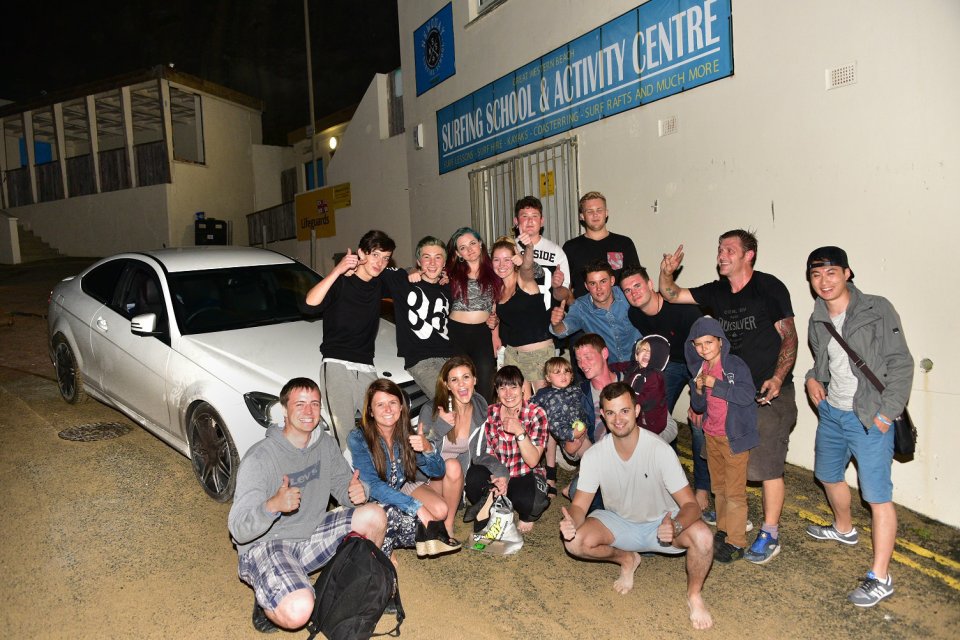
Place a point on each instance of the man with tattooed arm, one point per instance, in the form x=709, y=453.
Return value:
x=755, y=312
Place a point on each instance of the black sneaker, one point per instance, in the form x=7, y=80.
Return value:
x=261, y=622
x=719, y=538
x=727, y=553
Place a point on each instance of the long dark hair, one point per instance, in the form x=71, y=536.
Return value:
x=400, y=431
x=442, y=397
x=458, y=270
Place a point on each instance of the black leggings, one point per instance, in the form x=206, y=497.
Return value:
x=521, y=490
x=476, y=341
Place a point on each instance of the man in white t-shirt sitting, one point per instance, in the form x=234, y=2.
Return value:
x=648, y=504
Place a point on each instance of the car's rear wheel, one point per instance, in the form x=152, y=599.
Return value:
x=69, y=378
x=214, y=456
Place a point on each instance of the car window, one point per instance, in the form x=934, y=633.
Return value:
x=101, y=281
x=140, y=293
x=225, y=299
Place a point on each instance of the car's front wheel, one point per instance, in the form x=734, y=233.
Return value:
x=214, y=456
x=69, y=378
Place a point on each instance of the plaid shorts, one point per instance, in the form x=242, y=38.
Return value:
x=279, y=567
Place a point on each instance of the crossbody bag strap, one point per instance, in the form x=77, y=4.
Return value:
x=857, y=360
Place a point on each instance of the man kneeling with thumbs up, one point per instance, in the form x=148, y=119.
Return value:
x=279, y=519
x=648, y=504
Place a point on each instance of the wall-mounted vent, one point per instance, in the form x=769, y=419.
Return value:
x=667, y=126
x=841, y=76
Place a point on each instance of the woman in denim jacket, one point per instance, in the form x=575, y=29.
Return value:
x=386, y=454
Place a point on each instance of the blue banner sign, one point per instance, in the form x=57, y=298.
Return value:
x=433, y=50
x=660, y=48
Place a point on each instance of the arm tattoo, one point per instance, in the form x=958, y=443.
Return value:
x=788, y=347
x=670, y=293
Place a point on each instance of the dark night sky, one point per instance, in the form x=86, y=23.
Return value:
x=256, y=47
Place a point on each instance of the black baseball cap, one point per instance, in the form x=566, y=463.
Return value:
x=828, y=257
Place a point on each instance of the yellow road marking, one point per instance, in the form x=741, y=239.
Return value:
x=950, y=581
x=953, y=583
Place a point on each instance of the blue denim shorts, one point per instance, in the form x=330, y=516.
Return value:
x=840, y=436
x=634, y=536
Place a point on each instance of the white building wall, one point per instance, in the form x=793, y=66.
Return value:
x=221, y=187
x=268, y=163
x=376, y=168
x=101, y=225
x=873, y=167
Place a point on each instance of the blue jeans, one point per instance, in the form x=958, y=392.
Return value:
x=840, y=436
x=677, y=376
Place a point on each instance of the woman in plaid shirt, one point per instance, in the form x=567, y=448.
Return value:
x=508, y=459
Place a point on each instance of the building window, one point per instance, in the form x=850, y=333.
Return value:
x=549, y=173
x=149, y=143
x=308, y=175
x=111, y=141
x=395, y=103
x=187, y=118
x=78, y=150
x=17, y=178
x=483, y=6
x=46, y=156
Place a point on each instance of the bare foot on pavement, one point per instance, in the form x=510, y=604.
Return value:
x=699, y=615
x=624, y=583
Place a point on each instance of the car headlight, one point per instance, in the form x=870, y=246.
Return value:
x=265, y=408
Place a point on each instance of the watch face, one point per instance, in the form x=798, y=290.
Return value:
x=432, y=48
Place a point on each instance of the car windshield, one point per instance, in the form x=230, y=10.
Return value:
x=240, y=297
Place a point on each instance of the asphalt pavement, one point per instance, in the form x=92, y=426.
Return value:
x=114, y=539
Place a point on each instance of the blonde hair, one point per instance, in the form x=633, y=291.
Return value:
x=557, y=364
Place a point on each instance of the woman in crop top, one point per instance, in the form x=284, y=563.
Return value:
x=520, y=316
x=474, y=287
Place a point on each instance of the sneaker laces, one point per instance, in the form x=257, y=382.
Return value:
x=872, y=583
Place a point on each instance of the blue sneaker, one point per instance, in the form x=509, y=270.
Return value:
x=710, y=517
x=763, y=549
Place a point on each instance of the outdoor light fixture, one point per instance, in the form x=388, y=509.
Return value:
x=332, y=142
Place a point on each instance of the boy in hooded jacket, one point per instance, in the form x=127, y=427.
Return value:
x=651, y=355
x=723, y=391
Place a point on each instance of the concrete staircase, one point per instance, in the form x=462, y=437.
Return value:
x=32, y=248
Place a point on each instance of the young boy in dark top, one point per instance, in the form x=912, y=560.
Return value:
x=349, y=299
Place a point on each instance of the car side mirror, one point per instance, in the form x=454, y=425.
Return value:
x=144, y=324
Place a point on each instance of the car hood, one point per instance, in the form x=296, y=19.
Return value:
x=265, y=358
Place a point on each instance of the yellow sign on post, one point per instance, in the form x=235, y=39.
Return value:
x=548, y=185
x=341, y=195
x=315, y=210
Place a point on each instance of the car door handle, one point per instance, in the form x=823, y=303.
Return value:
x=102, y=324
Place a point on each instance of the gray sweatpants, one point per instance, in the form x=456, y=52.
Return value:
x=343, y=390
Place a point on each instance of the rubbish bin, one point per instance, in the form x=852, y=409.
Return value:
x=210, y=231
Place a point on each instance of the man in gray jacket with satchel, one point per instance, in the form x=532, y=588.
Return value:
x=856, y=417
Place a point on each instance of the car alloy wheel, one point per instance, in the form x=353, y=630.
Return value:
x=212, y=452
x=69, y=378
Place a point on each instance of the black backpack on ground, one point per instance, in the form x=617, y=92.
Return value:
x=352, y=592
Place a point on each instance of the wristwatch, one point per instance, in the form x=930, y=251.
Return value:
x=677, y=528
x=521, y=436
